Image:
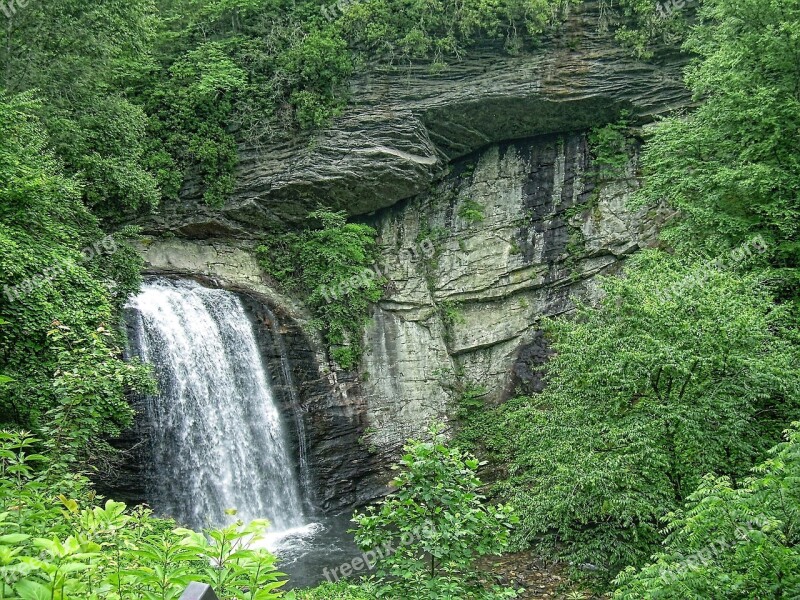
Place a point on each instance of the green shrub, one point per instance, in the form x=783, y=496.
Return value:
x=610, y=148
x=436, y=524
x=63, y=283
x=729, y=167
x=472, y=211
x=57, y=541
x=332, y=268
x=731, y=542
x=682, y=370
x=336, y=591
x=647, y=24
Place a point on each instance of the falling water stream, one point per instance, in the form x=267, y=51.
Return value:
x=217, y=439
x=286, y=367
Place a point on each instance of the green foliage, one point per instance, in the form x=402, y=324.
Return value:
x=471, y=400
x=611, y=147
x=451, y=313
x=732, y=167
x=90, y=387
x=646, y=24
x=731, y=542
x=472, y=211
x=336, y=591
x=645, y=395
x=193, y=108
x=72, y=53
x=442, y=29
x=58, y=541
x=63, y=283
x=437, y=523
x=315, y=68
x=331, y=268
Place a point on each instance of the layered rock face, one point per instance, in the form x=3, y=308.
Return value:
x=509, y=237
x=405, y=124
x=490, y=214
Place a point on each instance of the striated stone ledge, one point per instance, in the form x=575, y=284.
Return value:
x=405, y=124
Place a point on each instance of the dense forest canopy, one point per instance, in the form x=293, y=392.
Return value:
x=660, y=461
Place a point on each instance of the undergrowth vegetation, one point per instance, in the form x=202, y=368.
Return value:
x=331, y=266
x=677, y=373
x=58, y=541
x=730, y=541
x=437, y=523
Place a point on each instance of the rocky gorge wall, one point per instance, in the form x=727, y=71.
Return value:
x=490, y=214
x=518, y=229
x=510, y=235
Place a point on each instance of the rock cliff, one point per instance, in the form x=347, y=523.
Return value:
x=513, y=233
x=490, y=214
x=405, y=124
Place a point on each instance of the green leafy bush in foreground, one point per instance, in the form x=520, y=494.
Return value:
x=731, y=542
x=428, y=533
x=340, y=590
x=58, y=542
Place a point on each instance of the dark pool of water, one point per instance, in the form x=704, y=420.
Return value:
x=305, y=552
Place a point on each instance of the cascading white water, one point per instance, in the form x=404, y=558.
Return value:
x=217, y=439
x=305, y=475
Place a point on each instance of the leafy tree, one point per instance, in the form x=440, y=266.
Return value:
x=731, y=542
x=62, y=284
x=644, y=25
x=731, y=167
x=645, y=395
x=610, y=146
x=73, y=54
x=193, y=107
x=434, y=526
x=441, y=29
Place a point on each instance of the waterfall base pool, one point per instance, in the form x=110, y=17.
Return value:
x=305, y=553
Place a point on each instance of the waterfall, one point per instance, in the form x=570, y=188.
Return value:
x=216, y=435
x=297, y=410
